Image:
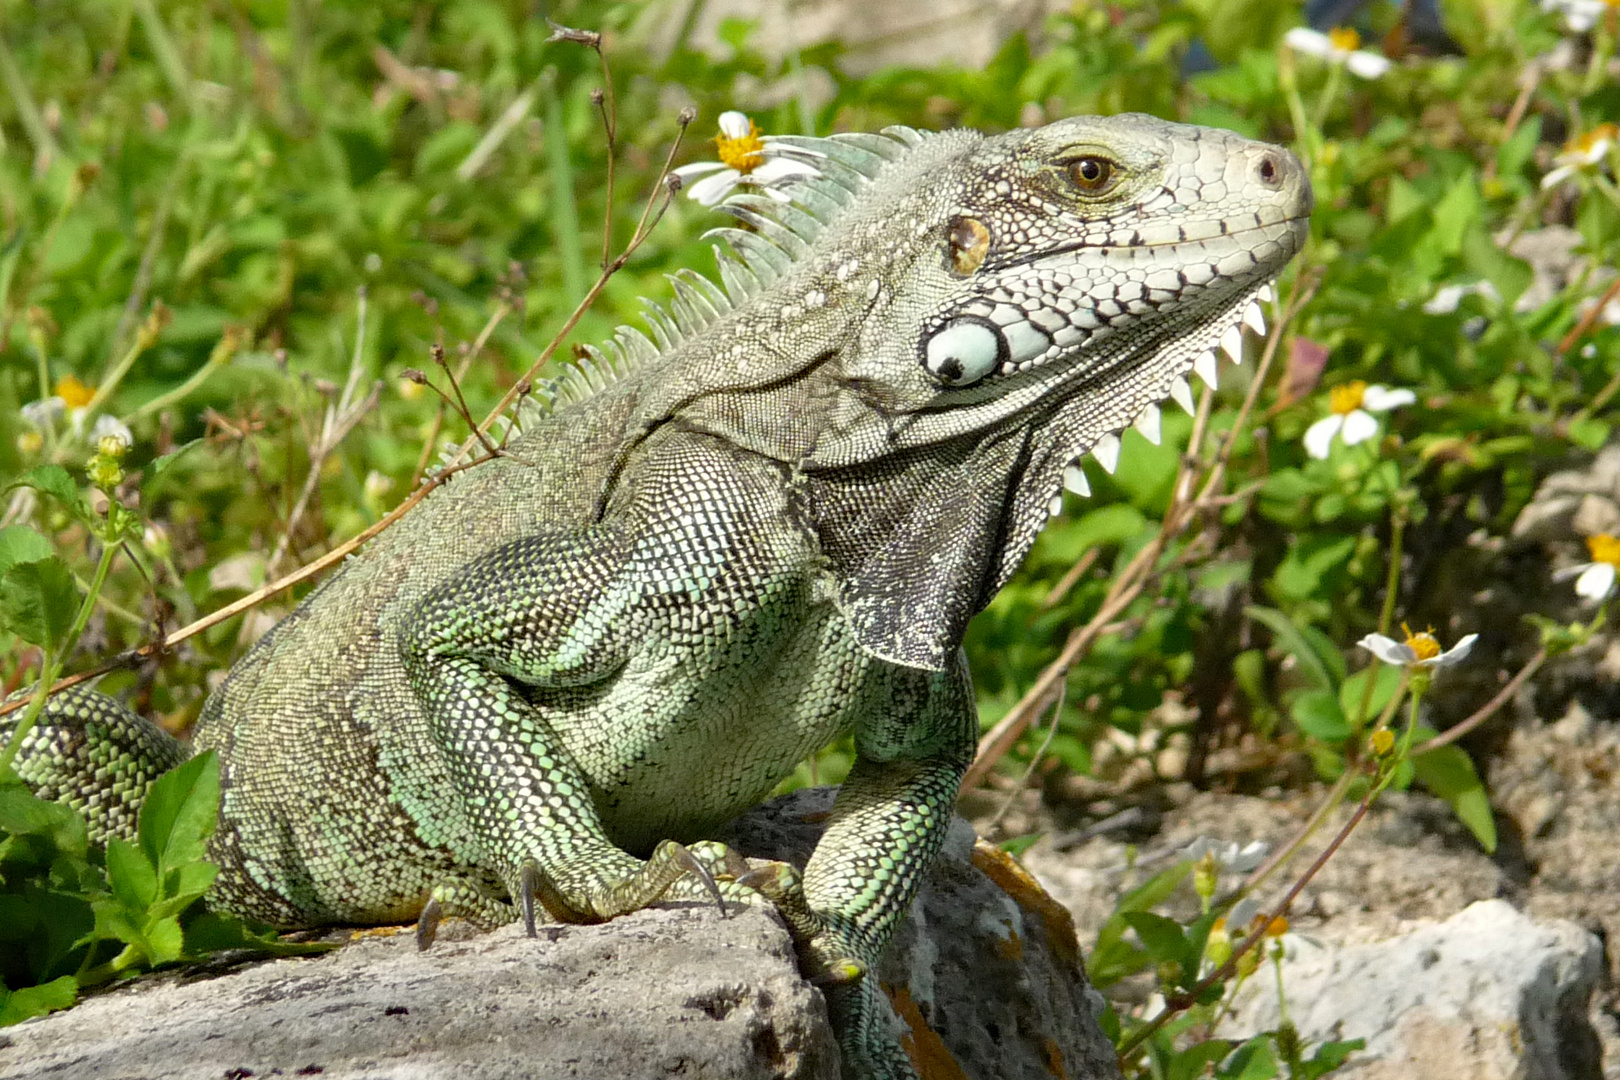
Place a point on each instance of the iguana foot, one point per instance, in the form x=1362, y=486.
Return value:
x=834, y=959
x=675, y=871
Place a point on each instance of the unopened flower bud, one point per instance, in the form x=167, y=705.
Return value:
x=1218, y=945
x=104, y=472
x=1381, y=742
x=1206, y=876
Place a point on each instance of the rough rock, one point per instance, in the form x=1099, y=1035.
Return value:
x=1486, y=995
x=985, y=977
x=1556, y=782
x=1570, y=503
x=985, y=974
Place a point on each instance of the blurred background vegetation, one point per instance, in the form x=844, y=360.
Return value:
x=218, y=215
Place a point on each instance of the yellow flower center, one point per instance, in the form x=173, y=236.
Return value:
x=74, y=394
x=1422, y=643
x=1346, y=399
x=1344, y=39
x=1604, y=548
x=745, y=153
x=1585, y=144
x=1381, y=742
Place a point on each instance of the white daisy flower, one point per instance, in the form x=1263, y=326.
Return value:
x=1594, y=580
x=1350, y=418
x=1230, y=856
x=1419, y=650
x=1339, y=46
x=744, y=159
x=44, y=412
x=1582, y=153
x=1579, y=15
x=110, y=427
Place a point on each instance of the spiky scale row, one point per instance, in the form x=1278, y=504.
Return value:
x=1149, y=422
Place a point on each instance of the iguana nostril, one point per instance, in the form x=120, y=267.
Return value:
x=1269, y=173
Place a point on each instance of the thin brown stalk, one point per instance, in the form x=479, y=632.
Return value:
x=339, y=418
x=659, y=197
x=1485, y=711
x=1085, y=562
x=1593, y=314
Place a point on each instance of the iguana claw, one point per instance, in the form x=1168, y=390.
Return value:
x=681, y=856
x=427, y=923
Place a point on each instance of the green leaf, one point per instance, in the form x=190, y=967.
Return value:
x=132, y=878
x=212, y=931
x=1311, y=564
x=1294, y=642
x=22, y=813
x=1113, y=958
x=1449, y=773
x=38, y=601
x=1194, y=1062
x=1017, y=845
x=179, y=813
x=165, y=943
x=19, y=1005
x=1355, y=687
x=1329, y=1056
x=1319, y=716
x=20, y=544
x=1161, y=937
x=53, y=480
x=1251, y=1061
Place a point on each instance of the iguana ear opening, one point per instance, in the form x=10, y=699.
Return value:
x=915, y=551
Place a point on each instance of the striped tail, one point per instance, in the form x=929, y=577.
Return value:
x=93, y=754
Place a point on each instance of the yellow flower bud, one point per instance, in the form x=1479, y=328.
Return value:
x=1206, y=876
x=1218, y=946
x=105, y=473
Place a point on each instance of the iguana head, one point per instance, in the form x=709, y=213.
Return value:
x=936, y=327
x=1083, y=268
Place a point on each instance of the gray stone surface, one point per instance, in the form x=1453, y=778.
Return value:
x=661, y=993
x=985, y=975
x=1489, y=994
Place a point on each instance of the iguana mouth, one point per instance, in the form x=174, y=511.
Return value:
x=1088, y=246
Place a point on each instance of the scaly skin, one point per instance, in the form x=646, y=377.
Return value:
x=714, y=555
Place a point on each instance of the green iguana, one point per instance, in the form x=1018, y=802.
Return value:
x=720, y=548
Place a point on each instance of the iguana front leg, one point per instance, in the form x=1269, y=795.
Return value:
x=887, y=826
x=554, y=611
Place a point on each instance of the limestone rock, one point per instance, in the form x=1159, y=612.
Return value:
x=1489, y=994
x=985, y=976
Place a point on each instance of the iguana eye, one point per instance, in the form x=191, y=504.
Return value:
x=1093, y=175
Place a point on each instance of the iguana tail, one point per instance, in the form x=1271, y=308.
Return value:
x=92, y=753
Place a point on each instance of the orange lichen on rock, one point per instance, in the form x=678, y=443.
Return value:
x=1018, y=883
x=927, y=1051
